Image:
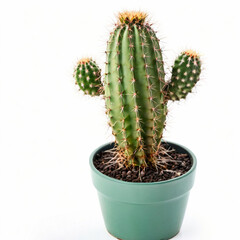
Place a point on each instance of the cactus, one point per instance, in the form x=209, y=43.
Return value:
x=185, y=74
x=88, y=77
x=135, y=90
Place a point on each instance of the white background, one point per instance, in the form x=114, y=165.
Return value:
x=48, y=128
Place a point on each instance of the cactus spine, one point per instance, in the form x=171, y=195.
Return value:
x=88, y=77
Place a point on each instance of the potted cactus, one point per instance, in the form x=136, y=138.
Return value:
x=143, y=182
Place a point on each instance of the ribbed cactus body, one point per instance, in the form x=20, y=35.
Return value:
x=185, y=74
x=134, y=83
x=88, y=77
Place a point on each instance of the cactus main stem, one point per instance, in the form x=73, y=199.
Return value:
x=134, y=85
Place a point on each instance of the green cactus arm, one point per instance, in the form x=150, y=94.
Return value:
x=88, y=77
x=185, y=74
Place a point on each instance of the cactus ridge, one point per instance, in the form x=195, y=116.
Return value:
x=88, y=77
x=185, y=74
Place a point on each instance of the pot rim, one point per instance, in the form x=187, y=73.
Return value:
x=193, y=158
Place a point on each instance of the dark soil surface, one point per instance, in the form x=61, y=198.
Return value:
x=171, y=164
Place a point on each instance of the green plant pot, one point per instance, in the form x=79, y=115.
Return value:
x=143, y=211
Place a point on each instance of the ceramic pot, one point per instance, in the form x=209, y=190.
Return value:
x=143, y=211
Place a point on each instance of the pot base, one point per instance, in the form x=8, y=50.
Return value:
x=160, y=239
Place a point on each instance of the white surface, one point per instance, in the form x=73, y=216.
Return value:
x=48, y=129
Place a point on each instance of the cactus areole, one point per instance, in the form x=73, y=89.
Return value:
x=136, y=92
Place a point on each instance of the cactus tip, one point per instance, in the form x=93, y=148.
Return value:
x=84, y=60
x=191, y=53
x=132, y=17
